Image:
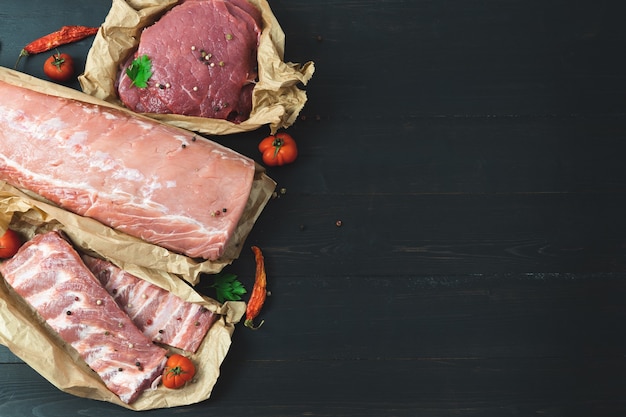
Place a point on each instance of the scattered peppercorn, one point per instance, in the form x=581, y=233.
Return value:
x=69, y=313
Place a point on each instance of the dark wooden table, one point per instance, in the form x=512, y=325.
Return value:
x=473, y=152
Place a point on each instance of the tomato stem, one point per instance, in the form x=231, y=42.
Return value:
x=58, y=60
x=177, y=370
x=277, y=144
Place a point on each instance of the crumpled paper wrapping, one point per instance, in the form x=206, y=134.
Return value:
x=24, y=332
x=277, y=99
x=28, y=337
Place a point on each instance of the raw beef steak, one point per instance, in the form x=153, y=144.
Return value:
x=203, y=55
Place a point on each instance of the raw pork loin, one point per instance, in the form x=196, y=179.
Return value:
x=160, y=315
x=148, y=179
x=49, y=274
x=203, y=55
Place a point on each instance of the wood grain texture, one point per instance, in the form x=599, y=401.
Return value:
x=473, y=152
x=472, y=345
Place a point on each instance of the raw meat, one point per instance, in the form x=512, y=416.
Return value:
x=160, y=315
x=203, y=55
x=153, y=181
x=49, y=274
x=248, y=7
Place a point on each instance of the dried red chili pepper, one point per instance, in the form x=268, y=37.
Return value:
x=63, y=36
x=259, y=291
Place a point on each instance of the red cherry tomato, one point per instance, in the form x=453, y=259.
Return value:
x=178, y=371
x=59, y=67
x=10, y=242
x=278, y=149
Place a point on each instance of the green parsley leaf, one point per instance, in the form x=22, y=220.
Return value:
x=140, y=71
x=228, y=287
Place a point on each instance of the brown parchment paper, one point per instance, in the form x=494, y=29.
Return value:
x=276, y=100
x=27, y=335
x=126, y=251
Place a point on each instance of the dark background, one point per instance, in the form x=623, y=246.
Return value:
x=473, y=152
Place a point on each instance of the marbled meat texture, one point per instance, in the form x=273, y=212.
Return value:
x=162, y=316
x=150, y=180
x=50, y=275
x=204, y=58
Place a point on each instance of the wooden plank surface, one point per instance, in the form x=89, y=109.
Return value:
x=473, y=152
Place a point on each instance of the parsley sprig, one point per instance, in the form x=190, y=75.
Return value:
x=140, y=71
x=228, y=287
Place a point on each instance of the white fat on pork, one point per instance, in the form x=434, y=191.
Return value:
x=50, y=275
